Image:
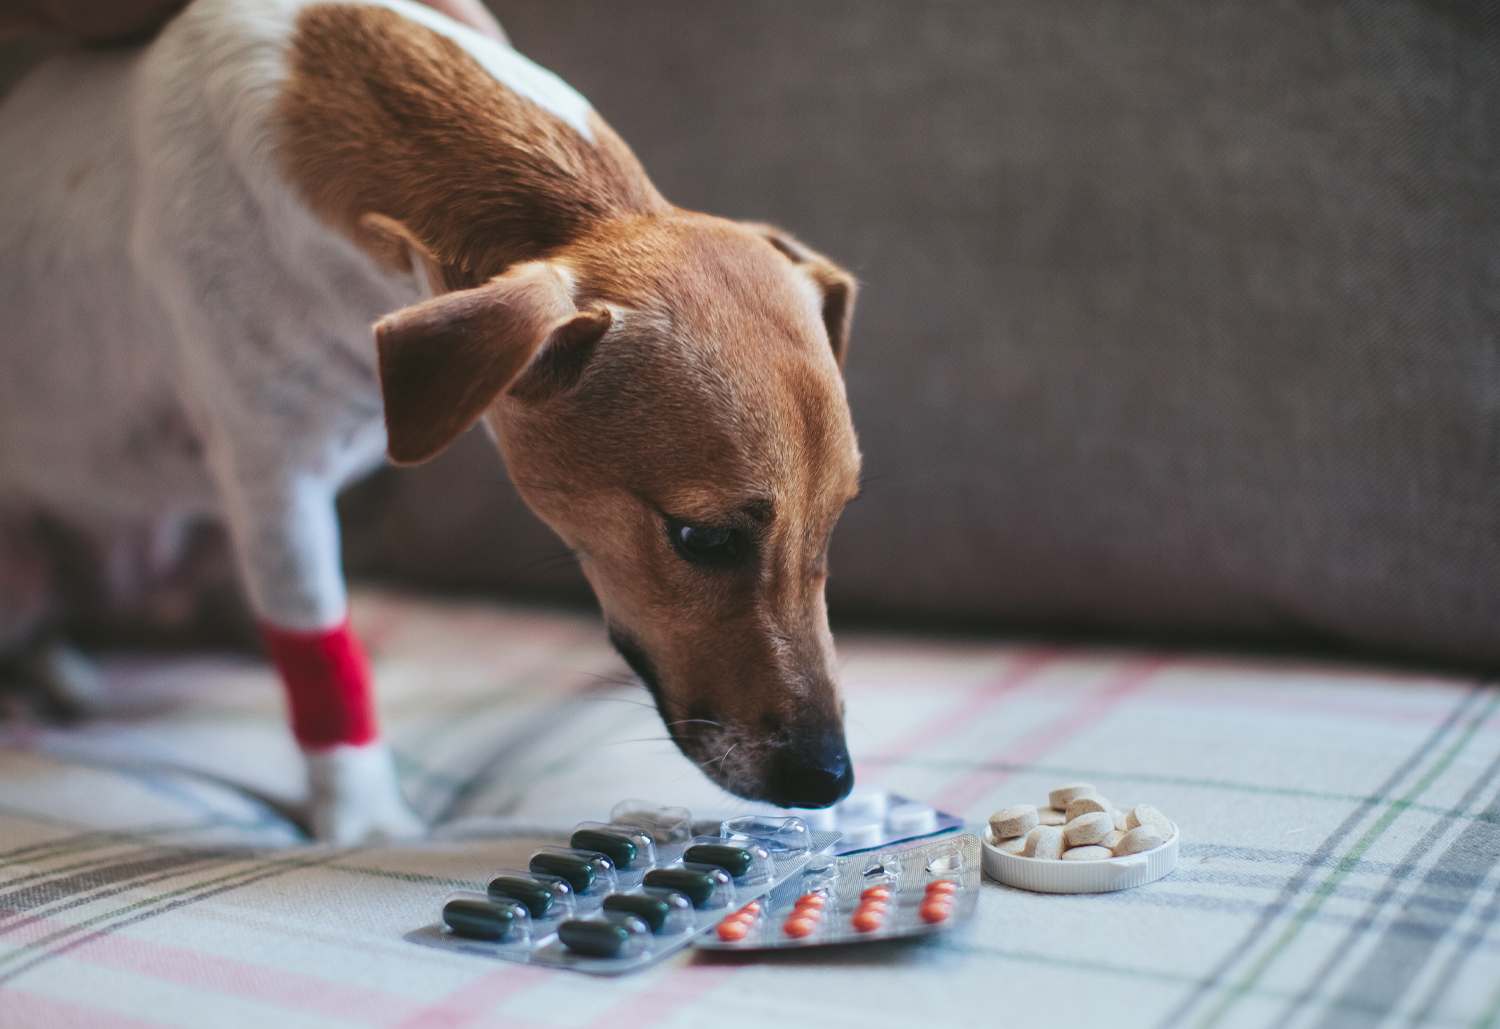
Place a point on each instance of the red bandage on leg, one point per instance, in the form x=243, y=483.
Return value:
x=328, y=684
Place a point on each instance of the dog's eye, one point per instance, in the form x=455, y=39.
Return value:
x=707, y=545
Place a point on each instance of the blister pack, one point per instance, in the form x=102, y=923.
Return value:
x=871, y=818
x=855, y=898
x=625, y=893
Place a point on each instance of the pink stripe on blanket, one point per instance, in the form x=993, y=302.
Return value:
x=651, y=1006
x=18, y=1009
x=470, y=1005
x=1427, y=705
x=975, y=785
x=231, y=977
x=1020, y=672
x=663, y=999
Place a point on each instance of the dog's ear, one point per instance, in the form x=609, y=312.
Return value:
x=836, y=285
x=391, y=243
x=445, y=360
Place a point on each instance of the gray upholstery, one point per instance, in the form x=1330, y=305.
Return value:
x=1175, y=316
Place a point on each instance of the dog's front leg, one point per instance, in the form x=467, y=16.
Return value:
x=286, y=534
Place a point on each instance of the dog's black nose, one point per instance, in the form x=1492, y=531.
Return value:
x=812, y=775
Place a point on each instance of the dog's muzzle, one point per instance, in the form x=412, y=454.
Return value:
x=816, y=773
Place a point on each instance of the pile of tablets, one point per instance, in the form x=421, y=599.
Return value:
x=844, y=899
x=871, y=817
x=625, y=892
x=1079, y=843
x=1079, y=825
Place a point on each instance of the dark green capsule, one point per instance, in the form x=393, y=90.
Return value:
x=618, y=848
x=537, y=897
x=734, y=860
x=593, y=937
x=697, y=884
x=479, y=919
x=578, y=869
x=651, y=910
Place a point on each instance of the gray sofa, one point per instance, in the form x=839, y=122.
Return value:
x=1176, y=317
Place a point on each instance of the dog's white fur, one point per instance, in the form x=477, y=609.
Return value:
x=181, y=337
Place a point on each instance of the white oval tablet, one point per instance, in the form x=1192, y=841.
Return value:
x=818, y=819
x=1088, y=853
x=911, y=819
x=867, y=834
x=1064, y=795
x=864, y=804
x=1017, y=820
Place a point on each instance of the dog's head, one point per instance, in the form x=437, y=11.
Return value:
x=669, y=398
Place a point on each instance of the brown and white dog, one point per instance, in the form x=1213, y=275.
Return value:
x=195, y=238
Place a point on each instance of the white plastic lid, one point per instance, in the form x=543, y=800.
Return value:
x=1048, y=875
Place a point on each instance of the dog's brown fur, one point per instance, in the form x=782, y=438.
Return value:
x=384, y=116
x=639, y=364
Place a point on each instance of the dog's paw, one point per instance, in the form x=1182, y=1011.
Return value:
x=354, y=796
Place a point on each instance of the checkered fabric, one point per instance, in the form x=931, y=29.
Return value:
x=1340, y=828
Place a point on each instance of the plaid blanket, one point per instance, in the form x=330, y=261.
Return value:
x=1341, y=832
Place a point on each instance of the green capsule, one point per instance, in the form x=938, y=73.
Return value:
x=615, y=846
x=651, y=910
x=537, y=897
x=479, y=919
x=578, y=869
x=697, y=884
x=734, y=860
x=593, y=937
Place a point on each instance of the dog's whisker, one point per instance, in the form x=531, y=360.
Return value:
x=615, y=680
x=726, y=757
x=620, y=700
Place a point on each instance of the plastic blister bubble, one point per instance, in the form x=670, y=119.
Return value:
x=666, y=912
x=545, y=896
x=631, y=848
x=709, y=887
x=590, y=873
x=477, y=916
x=670, y=827
x=747, y=861
x=616, y=935
x=945, y=861
x=789, y=835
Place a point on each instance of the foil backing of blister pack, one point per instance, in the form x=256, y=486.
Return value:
x=540, y=944
x=843, y=878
